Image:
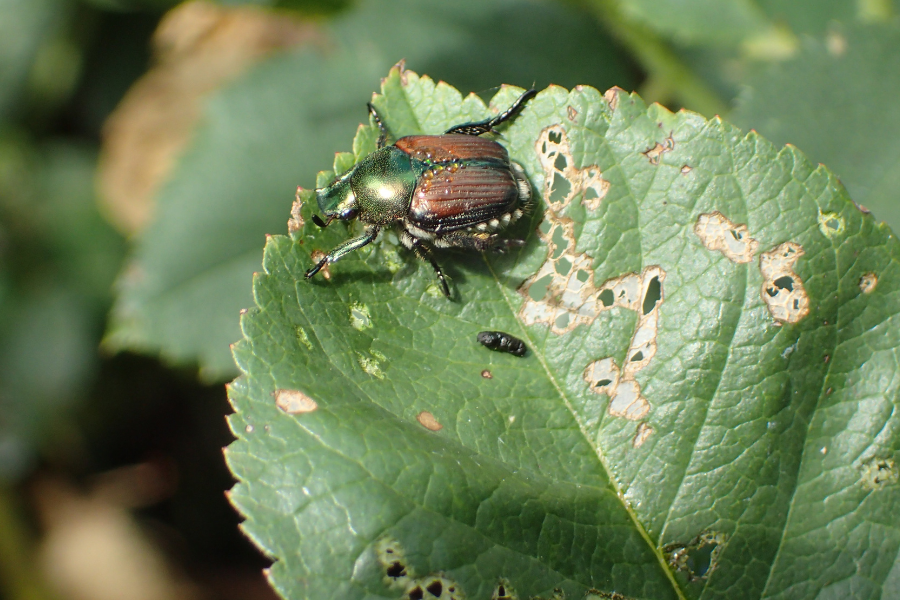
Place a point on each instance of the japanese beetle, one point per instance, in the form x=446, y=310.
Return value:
x=502, y=342
x=454, y=190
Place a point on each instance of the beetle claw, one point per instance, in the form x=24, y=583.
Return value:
x=505, y=245
x=316, y=268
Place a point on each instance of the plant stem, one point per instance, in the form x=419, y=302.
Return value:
x=670, y=76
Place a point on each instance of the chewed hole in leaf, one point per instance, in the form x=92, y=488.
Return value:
x=783, y=291
x=652, y=295
x=392, y=558
x=867, y=283
x=560, y=189
x=830, y=223
x=370, y=365
x=718, y=233
x=697, y=559
x=359, y=316
x=504, y=591
x=434, y=587
x=538, y=290
x=607, y=297
x=660, y=148
x=560, y=242
x=784, y=283
x=641, y=435
x=563, y=180
x=877, y=473
x=560, y=163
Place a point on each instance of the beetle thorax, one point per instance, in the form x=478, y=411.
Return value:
x=383, y=184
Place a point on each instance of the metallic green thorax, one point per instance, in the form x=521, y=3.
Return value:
x=378, y=189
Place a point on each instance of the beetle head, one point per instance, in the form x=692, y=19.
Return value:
x=337, y=200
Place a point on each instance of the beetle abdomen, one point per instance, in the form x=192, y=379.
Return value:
x=443, y=148
x=463, y=195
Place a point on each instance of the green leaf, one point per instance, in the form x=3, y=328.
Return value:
x=283, y=121
x=699, y=21
x=25, y=25
x=757, y=24
x=836, y=101
x=56, y=272
x=708, y=406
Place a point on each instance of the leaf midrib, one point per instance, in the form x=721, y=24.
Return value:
x=373, y=477
x=597, y=451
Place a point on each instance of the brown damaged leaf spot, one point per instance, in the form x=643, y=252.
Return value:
x=294, y=402
x=686, y=169
x=640, y=436
x=612, y=97
x=428, y=421
x=197, y=48
x=438, y=587
x=572, y=113
x=831, y=224
x=296, y=222
x=562, y=293
x=782, y=289
x=397, y=572
x=504, y=591
x=697, y=559
x=642, y=294
x=487, y=374
x=877, y=473
x=718, y=233
x=868, y=282
x=654, y=153
x=563, y=181
x=317, y=255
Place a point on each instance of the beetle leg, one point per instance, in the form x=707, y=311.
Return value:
x=501, y=245
x=383, y=137
x=344, y=249
x=422, y=251
x=487, y=125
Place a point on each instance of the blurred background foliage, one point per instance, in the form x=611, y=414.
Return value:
x=127, y=242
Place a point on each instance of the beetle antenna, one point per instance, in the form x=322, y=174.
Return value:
x=382, y=138
x=318, y=221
